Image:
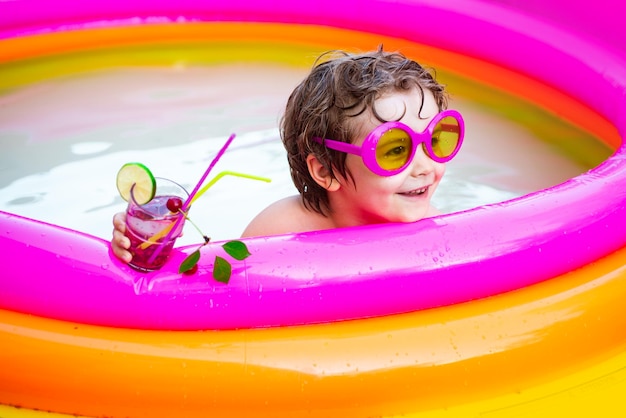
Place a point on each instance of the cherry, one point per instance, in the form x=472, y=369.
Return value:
x=174, y=204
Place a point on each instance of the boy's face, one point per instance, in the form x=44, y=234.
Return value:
x=404, y=197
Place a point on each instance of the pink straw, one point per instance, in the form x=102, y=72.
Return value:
x=206, y=173
x=191, y=195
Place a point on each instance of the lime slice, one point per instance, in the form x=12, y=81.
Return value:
x=140, y=176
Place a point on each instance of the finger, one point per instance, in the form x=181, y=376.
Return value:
x=122, y=254
x=119, y=245
x=120, y=240
x=119, y=221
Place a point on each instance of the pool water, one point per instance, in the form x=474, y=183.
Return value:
x=64, y=138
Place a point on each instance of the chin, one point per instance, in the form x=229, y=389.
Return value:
x=411, y=218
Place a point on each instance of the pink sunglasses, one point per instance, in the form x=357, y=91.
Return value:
x=391, y=147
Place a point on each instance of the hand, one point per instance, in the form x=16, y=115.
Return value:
x=120, y=243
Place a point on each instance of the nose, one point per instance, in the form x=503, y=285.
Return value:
x=422, y=164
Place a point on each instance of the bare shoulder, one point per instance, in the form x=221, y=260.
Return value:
x=285, y=216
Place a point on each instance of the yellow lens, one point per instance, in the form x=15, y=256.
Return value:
x=446, y=137
x=393, y=149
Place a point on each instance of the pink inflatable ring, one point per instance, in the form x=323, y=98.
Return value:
x=342, y=274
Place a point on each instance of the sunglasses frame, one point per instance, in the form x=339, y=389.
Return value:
x=367, y=151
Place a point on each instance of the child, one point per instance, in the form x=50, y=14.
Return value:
x=391, y=170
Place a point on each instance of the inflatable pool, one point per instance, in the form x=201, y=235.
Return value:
x=508, y=309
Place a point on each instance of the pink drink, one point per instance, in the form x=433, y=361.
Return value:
x=148, y=225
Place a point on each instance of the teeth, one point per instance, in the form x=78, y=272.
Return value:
x=416, y=192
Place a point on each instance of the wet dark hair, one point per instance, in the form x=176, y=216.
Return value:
x=340, y=87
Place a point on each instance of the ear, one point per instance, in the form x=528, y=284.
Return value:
x=321, y=174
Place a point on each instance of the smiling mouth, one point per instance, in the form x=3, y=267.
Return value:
x=416, y=192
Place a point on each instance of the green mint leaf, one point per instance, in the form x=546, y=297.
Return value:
x=189, y=262
x=236, y=249
x=221, y=270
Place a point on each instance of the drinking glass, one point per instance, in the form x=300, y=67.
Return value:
x=149, y=225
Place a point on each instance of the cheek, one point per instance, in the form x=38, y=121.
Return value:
x=357, y=169
x=364, y=181
x=440, y=170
